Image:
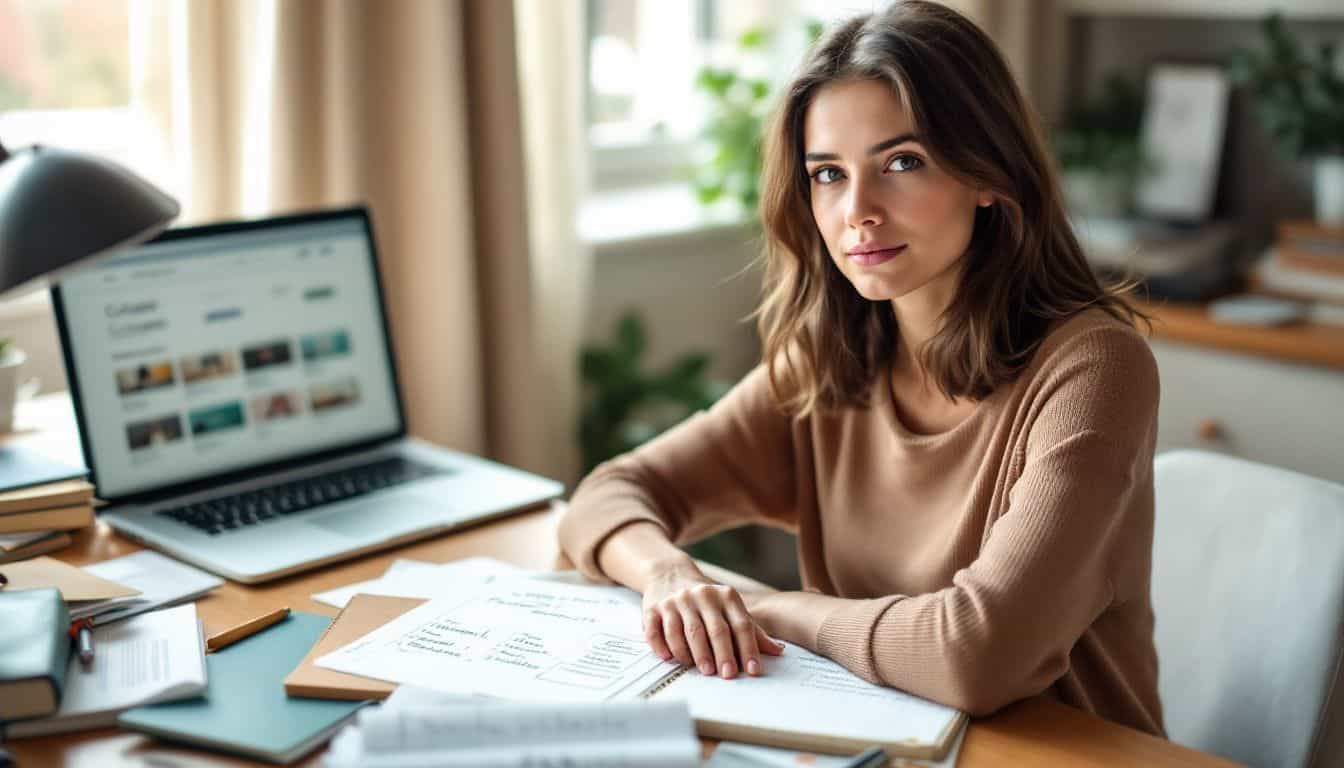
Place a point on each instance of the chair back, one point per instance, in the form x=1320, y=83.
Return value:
x=1248, y=592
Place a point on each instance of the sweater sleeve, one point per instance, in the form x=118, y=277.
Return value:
x=1003, y=630
x=732, y=465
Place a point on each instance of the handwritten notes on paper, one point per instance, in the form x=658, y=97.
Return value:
x=520, y=639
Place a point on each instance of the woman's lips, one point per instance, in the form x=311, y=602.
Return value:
x=873, y=258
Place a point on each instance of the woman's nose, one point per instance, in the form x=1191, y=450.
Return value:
x=862, y=209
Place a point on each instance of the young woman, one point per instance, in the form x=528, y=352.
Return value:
x=955, y=417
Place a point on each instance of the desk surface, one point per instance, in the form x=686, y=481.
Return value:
x=1310, y=343
x=1037, y=732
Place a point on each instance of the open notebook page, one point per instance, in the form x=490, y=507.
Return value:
x=809, y=695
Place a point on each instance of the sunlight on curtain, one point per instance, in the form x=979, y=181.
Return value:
x=551, y=72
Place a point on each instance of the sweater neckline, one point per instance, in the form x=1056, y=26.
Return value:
x=887, y=402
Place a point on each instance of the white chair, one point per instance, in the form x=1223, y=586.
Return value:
x=1248, y=590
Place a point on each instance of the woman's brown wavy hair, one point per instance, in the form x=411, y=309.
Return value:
x=823, y=343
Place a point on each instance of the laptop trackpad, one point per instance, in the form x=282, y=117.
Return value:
x=365, y=521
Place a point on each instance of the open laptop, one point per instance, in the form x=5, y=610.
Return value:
x=238, y=403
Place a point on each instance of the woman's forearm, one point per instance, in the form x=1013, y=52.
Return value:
x=633, y=555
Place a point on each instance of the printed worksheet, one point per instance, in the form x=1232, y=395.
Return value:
x=520, y=639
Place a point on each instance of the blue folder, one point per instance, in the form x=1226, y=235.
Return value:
x=245, y=710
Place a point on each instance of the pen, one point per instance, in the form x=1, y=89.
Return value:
x=246, y=629
x=869, y=758
x=81, y=631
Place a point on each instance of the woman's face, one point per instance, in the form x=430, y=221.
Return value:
x=894, y=223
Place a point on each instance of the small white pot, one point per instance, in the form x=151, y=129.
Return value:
x=1090, y=193
x=11, y=390
x=1328, y=175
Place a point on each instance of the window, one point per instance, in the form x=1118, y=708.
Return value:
x=644, y=111
x=65, y=81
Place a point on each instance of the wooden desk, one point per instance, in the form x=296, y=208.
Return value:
x=1037, y=732
x=1310, y=343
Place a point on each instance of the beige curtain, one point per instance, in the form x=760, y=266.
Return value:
x=410, y=106
x=551, y=40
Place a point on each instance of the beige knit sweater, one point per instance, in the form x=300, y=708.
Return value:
x=1007, y=557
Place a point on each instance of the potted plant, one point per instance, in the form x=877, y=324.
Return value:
x=625, y=406
x=739, y=105
x=1098, y=150
x=1299, y=97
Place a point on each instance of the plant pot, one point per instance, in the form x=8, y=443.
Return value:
x=11, y=390
x=1328, y=175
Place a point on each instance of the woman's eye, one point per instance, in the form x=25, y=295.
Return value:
x=905, y=163
x=826, y=174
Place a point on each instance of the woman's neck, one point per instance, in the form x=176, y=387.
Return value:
x=919, y=317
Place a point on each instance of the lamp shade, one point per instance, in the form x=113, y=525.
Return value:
x=59, y=207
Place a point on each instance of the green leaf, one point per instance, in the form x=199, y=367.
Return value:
x=753, y=37
x=630, y=336
x=690, y=368
x=708, y=193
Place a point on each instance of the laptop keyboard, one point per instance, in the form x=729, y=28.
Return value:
x=236, y=511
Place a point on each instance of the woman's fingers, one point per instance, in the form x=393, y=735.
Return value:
x=653, y=633
x=696, y=636
x=744, y=636
x=709, y=627
x=768, y=644
x=675, y=633
x=713, y=612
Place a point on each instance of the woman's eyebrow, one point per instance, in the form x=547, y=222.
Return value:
x=881, y=146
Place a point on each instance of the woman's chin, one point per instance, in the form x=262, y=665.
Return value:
x=878, y=290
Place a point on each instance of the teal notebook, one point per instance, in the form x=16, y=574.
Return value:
x=245, y=710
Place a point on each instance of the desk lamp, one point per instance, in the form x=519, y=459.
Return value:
x=60, y=210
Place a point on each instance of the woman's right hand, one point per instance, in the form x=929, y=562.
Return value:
x=702, y=623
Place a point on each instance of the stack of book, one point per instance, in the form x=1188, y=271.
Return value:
x=36, y=519
x=1306, y=262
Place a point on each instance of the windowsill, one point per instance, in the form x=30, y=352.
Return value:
x=649, y=214
x=31, y=304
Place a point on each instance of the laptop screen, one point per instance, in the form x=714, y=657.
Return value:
x=226, y=348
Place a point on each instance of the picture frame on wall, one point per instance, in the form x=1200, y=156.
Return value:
x=1181, y=138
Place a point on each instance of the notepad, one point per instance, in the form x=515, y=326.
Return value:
x=532, y=640
x=153, y=657
x=245, y=710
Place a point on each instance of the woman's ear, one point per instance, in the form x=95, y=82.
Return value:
x=985, y=199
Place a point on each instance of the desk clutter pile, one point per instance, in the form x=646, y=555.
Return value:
x=1305, y=262
x=470, y=663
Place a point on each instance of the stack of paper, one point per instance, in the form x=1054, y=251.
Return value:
x=420, y=728
x=161, y=581
x=154, y=657
x=85, y=593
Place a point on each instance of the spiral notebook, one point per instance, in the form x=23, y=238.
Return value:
x=543, y=641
